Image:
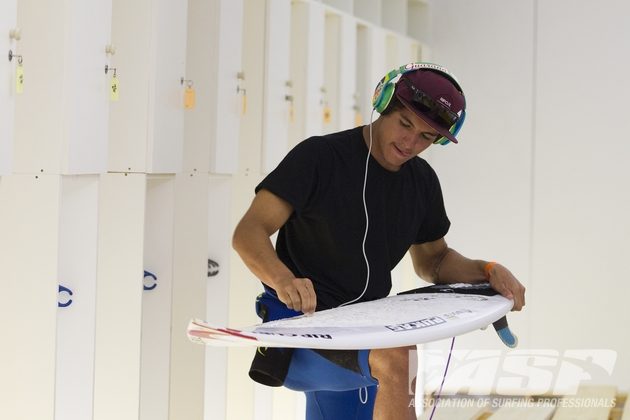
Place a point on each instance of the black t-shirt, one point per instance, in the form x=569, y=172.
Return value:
x=322, y=179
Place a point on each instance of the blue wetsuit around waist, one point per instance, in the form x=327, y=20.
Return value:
x=337, y=383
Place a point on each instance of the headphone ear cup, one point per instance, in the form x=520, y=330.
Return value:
x=454, y=130
x=458, y=125
x=380, y=104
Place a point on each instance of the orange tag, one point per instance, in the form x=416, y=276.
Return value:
x=189, y=98
x=327, y=114
x=358, y=119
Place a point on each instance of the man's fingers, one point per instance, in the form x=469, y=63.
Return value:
x=299, y=295
x=307, y=295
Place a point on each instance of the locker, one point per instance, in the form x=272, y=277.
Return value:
x=61, y=116
x=215, y=34
x=76, y=308
x=394, y=15
x=156, y=297
x=121, y=212
x=190, y=269
x=147, y=121
x=8, y=25
x=371, y=67
x=307, y=73
x=279, y=93
x=29, y=221
x=340, y=71
x=220, y=227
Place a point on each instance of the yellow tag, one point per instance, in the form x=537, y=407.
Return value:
x=114, y=90
x=244, y=104
x=327, y=114
x=19, y=79
x=291, y=116
x=189, y=98
x=358, y=119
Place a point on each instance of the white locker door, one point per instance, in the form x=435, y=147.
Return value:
x=156, y=298
x=190, y=265
x=39, y=109
x=394, y=15
x=340, y=72
x=166, y=89
x=307, y=73
x=61, y=116
x=407, y=51
x=8, y=23
x=29, y=222
x=278, y=91
x=347, y=73
x=121, y=211
x=332, y=72
x=76, y=316
x=371, y=66
x=231, y=88
x=129, y=115
x=393, y=51
x=370, y=10
x=86, y=107
x=146, y=123
x=219, y=251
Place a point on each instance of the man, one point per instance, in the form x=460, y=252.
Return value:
x=348, y=206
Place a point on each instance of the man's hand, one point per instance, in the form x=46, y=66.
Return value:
x=297, y=293
x=504, y=282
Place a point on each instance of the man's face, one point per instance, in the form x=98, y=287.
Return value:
x=401, y=136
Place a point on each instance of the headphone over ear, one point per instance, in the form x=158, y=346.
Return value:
x=384, y=91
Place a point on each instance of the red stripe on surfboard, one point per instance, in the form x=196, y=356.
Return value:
x=208, y=331
x=236, y=333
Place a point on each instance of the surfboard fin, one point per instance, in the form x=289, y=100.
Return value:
x=505, y=334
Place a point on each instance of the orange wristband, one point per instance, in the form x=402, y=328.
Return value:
x=488, y=267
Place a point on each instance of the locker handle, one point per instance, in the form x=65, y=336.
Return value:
x=213, y=268
x=15, y=34
x=148, y=274
x=11, y=55
x=63, y=289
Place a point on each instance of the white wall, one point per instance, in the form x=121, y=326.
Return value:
x=539, y=180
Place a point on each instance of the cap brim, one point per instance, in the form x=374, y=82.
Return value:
x=444, y=132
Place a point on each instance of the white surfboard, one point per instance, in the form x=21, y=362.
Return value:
x=418, y=316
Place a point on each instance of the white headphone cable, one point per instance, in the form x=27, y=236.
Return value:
x=367, y=219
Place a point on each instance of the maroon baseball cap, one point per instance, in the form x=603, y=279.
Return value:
x=433, y=97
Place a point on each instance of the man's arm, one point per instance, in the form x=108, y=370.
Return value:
x=435, y=262
x=265, y=216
